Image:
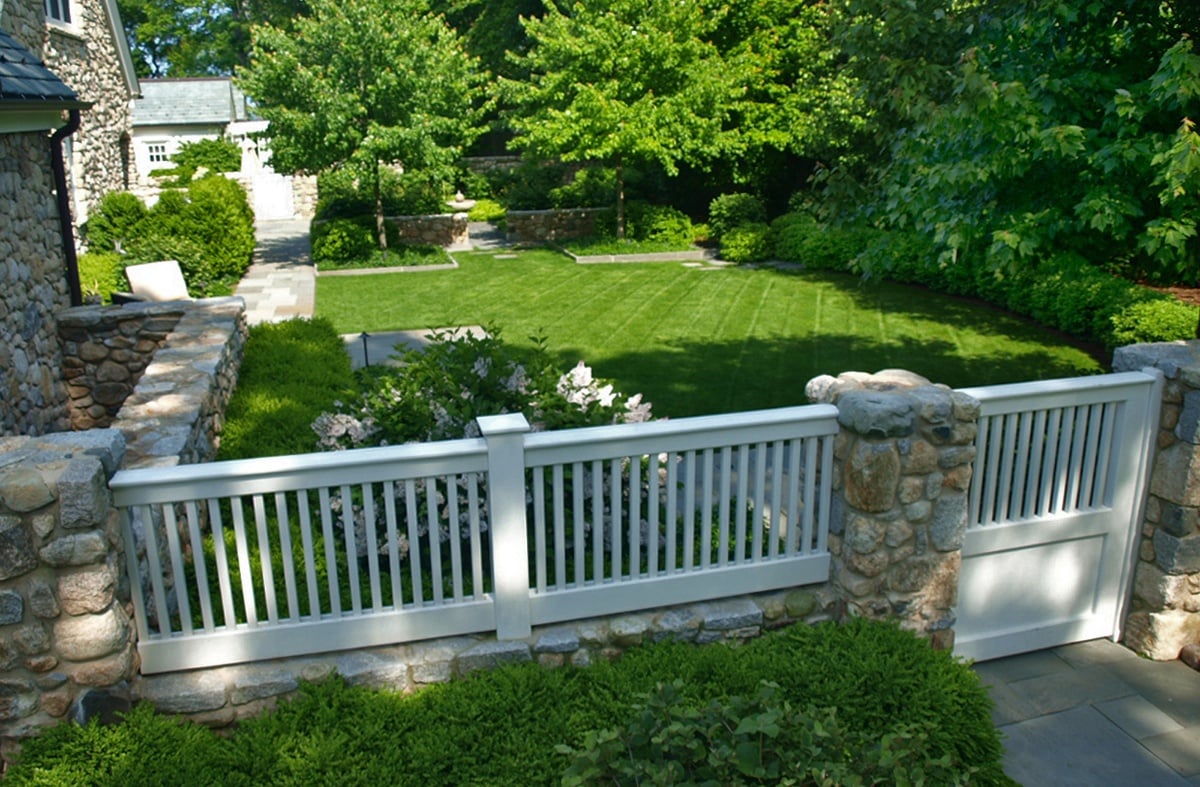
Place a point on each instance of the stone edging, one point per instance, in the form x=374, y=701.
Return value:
x=218, y=697
x=654, y=256
x=441, y=266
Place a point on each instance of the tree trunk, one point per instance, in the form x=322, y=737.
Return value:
x=620, y=200
x=380, y=226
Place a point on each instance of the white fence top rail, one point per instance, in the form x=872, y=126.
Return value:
x=1063, y=392
x=684, y=434
x=305, y=471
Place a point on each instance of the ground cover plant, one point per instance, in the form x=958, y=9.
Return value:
x=860, y=703
x=709, y=341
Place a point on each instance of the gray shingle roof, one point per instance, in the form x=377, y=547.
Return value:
x=25, y=80
x=169, y=102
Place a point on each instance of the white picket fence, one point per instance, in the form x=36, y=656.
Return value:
x=284, y=556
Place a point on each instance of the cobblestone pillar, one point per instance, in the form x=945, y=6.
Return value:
x=66, y=642
x=902, y=467
x=1164, y=615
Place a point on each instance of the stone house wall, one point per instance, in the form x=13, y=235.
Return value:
x=1164, y=616
x=33, y=288
x=88, y=61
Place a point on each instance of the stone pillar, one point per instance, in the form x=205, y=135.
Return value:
x=66, y=641
x=1164, y=615
x=902, y=467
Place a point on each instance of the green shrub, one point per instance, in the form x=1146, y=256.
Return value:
x=657, y=223
x=729, y=211
x=341, y=194
x=747, y=243
x=486, y=210
x=214, y=155
x=1160, y=320
x=594, y=187
x=339, y=241
x=764, y=739
x=114, y=222
x=101, y=274
x=788, y=234
x=291, y=372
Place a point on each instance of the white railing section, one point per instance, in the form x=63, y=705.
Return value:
x=283, y=556
x=1050, y=449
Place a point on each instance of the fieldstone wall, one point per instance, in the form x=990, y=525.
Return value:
x=304, y=195
x=221, y=696
x=1164, y=615
x=33, y=288
x=88, y=61
x=105, y=352
x=67, y=647
x=445, y=229
x=177, y=409
x=902, y=466
x=548, y=226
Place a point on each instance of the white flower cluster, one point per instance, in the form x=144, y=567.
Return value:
x=578, y=387
x=338, y=431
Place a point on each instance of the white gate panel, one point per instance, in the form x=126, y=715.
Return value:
x=1060, y=473
x=272, y=196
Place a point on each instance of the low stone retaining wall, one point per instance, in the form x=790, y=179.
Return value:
x=548, y=226
x=221, y=696
x=162, y=373
x=448, y=230
x=1164, y=616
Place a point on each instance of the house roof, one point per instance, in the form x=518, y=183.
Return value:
x=26, y=83
x=198, y=101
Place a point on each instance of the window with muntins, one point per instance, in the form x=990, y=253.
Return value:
x=158, y=152
x=59, y=11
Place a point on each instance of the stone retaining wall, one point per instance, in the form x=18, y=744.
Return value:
x=162, y=373
x=1164, y=616
x=902, y=466
x=220, y=696
x=548, y=226
x=485, y=164
x=448, y=230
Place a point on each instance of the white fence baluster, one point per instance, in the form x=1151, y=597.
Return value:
x=577, y=486
x=393, y=543
x=635, y=516
x=652, y=507
x=455, y=542
x=331, y=566
x=1088, y=477
x=539, y=527
x=777, y=478
x=289, y=560
x=371, y=547
x=175, y=555
x=672, y=509
x=760, y=499
x=706, y=509
x=223, y=578
x=476, y=537
x=197, y=542
x=793, y=504
x=245, y=569
x=689, y=511
x=414, y=541
x=310, y=555
x=351, y=542
x=743, y=485
x=560, y=529
x=724, y=503
x=1101, y=494
x=616, y=532
x=434, y=532
x=264, y=557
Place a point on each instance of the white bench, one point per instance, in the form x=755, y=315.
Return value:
x=154, y=281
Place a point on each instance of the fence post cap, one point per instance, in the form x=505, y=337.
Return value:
x=509, y=423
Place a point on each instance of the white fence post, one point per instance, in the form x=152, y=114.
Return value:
x=506, y=502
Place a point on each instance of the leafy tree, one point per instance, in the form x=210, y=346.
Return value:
x=1067, y=133
x=364, y=85
x=623, y=82
x=182, y=38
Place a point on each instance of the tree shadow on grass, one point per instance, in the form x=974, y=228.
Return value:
x=701, y=376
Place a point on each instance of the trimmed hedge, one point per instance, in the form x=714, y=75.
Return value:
x=730, y=211
x=1066, y=293
x=891, y=705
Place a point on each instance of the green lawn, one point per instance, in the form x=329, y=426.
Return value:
x=698, y=341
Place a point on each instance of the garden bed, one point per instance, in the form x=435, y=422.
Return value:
x=407, y=258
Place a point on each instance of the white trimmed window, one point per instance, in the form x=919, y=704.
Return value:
x=59, y=11
x=157, y=153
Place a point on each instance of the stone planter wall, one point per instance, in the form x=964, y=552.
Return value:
x=902, y=466
x=548, y=226
x=1164, y=615
x=448, y=230
x=66, y=643
x=484, y=164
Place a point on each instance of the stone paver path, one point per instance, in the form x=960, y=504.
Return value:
x=281, y=283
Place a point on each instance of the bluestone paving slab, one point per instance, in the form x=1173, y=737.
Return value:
x=1079, y=747
x=1009, y=706
x=1060, y=691
x=1179, y=749
x=1026, y=665
x=1138, y=717
x=1170, y=685
x=1093, y=652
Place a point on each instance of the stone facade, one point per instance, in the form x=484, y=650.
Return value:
x=33, y=288
x=902, y=467
x=87, y=58
x=66, y=641
x=547, y=226
x=1164, y=616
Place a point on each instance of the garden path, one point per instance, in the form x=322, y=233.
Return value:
x=281, y=282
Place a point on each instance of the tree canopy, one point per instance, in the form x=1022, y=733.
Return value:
x=364, y=84
x=623, y=82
